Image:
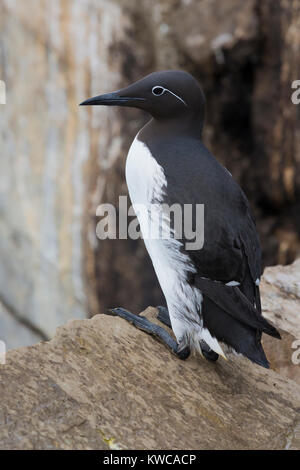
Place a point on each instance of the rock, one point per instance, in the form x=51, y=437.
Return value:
x=281, y=296
x=209, y=28
x=14, y=332
x=280, y=289
x=277, y=139
x=103, y=384
x=60, y=162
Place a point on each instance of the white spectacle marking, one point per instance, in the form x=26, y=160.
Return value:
x=160, y=88
x=257, y=282
x=233, y=284
x=176, y=96
x=166, y=89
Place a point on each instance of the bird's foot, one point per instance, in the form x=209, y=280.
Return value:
x=208, y=353
x=164, y=317
x=142, y=323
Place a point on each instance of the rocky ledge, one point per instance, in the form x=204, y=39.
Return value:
x=103, y=384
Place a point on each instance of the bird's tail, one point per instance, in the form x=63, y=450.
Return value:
x=242, y=338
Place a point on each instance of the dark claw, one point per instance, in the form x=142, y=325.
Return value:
x=184, y=353
x=208, y=353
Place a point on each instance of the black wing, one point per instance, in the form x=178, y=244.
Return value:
x=231, y=250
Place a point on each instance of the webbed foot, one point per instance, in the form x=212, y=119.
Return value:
x=142, y=323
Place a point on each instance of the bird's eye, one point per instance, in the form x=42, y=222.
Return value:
x=158, y=90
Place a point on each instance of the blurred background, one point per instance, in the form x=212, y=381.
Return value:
x=59, y=162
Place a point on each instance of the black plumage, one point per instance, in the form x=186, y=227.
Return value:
x=231, y=250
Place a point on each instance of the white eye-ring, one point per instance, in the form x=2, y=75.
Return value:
x=158, y=90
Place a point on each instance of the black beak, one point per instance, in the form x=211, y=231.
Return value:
x=112, y=99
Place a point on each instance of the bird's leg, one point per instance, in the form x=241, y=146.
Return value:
x=157, y=331
x=164, y=317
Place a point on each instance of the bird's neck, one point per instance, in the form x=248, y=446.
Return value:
x=189, y=126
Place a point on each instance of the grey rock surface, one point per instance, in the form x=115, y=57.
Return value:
x=59, y=162
x=102, y=384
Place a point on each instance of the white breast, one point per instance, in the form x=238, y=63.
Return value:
x=145, y=177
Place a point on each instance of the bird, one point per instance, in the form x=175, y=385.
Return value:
x=212, y=292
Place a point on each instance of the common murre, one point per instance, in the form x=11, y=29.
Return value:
x=212, y=293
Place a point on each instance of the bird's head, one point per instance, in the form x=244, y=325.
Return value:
x=164, y=95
